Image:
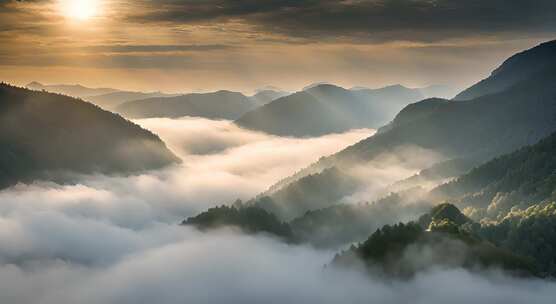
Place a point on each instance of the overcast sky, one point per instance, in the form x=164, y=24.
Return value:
x=189, y=45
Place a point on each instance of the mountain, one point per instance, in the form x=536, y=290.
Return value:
x=519, y=179
x=309, y=193
x=217, y=105
x=325, y=109
x=43, y=135
x=342, y=224
x=70, y=90
x=517, y=68
x=403, y=250
x=315, y=84
x=251, y=220
x=489, y=193
x=105, y=98
x=265, y=96
x=475, y=130
x=529, y=232
x=111, y=101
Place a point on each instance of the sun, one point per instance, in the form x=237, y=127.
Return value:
x=79, y=9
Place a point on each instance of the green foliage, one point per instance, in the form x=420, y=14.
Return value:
x=525, y=176
x=530, y=232
x=405, y=249
x=249, y=219
x=443, y=215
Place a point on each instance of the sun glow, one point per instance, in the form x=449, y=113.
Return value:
x=80, y=9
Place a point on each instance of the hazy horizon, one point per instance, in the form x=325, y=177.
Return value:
x=243, y=45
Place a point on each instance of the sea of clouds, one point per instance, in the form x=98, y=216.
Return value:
x=113, y=239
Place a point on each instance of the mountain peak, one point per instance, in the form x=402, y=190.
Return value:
x=516, y=68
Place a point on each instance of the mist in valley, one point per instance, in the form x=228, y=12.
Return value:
x=110, y=239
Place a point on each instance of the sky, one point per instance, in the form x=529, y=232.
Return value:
x=203, y=45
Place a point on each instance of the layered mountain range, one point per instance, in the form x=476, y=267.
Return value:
x=495, y=143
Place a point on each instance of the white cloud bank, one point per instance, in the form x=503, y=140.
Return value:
x=115, y=239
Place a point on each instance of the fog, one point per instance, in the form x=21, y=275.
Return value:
x=110, y=239
x=225, y=267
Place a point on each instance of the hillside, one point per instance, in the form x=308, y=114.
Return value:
x=43, y=134
x=474, y=130
x=517, y=68
x=488, y=193
x=217, y=105
x=340, y=225
x=309, y=193
x=522, y=178
x=403, y=250
x=325, y=108
x=251, y=220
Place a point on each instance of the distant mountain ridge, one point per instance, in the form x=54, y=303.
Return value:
x=325, y=108
x=75, y=90
x=215, y=105
x=45, y=134
x=106, y=98
x=111, y=101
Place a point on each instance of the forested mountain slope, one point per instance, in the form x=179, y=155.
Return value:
x=475, y=130
x=42, y=134
x=402, y=250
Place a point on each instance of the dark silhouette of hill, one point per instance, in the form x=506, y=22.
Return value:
x=325, y=108
x=249, y=219
x=517, y=68
x=43, y=134
x=70, y=90
x=217, y=105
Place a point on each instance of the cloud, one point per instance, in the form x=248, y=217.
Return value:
x=163, y=48
x=225, y=267
x=379, y=20
x=115, y=239
x=221, y=162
